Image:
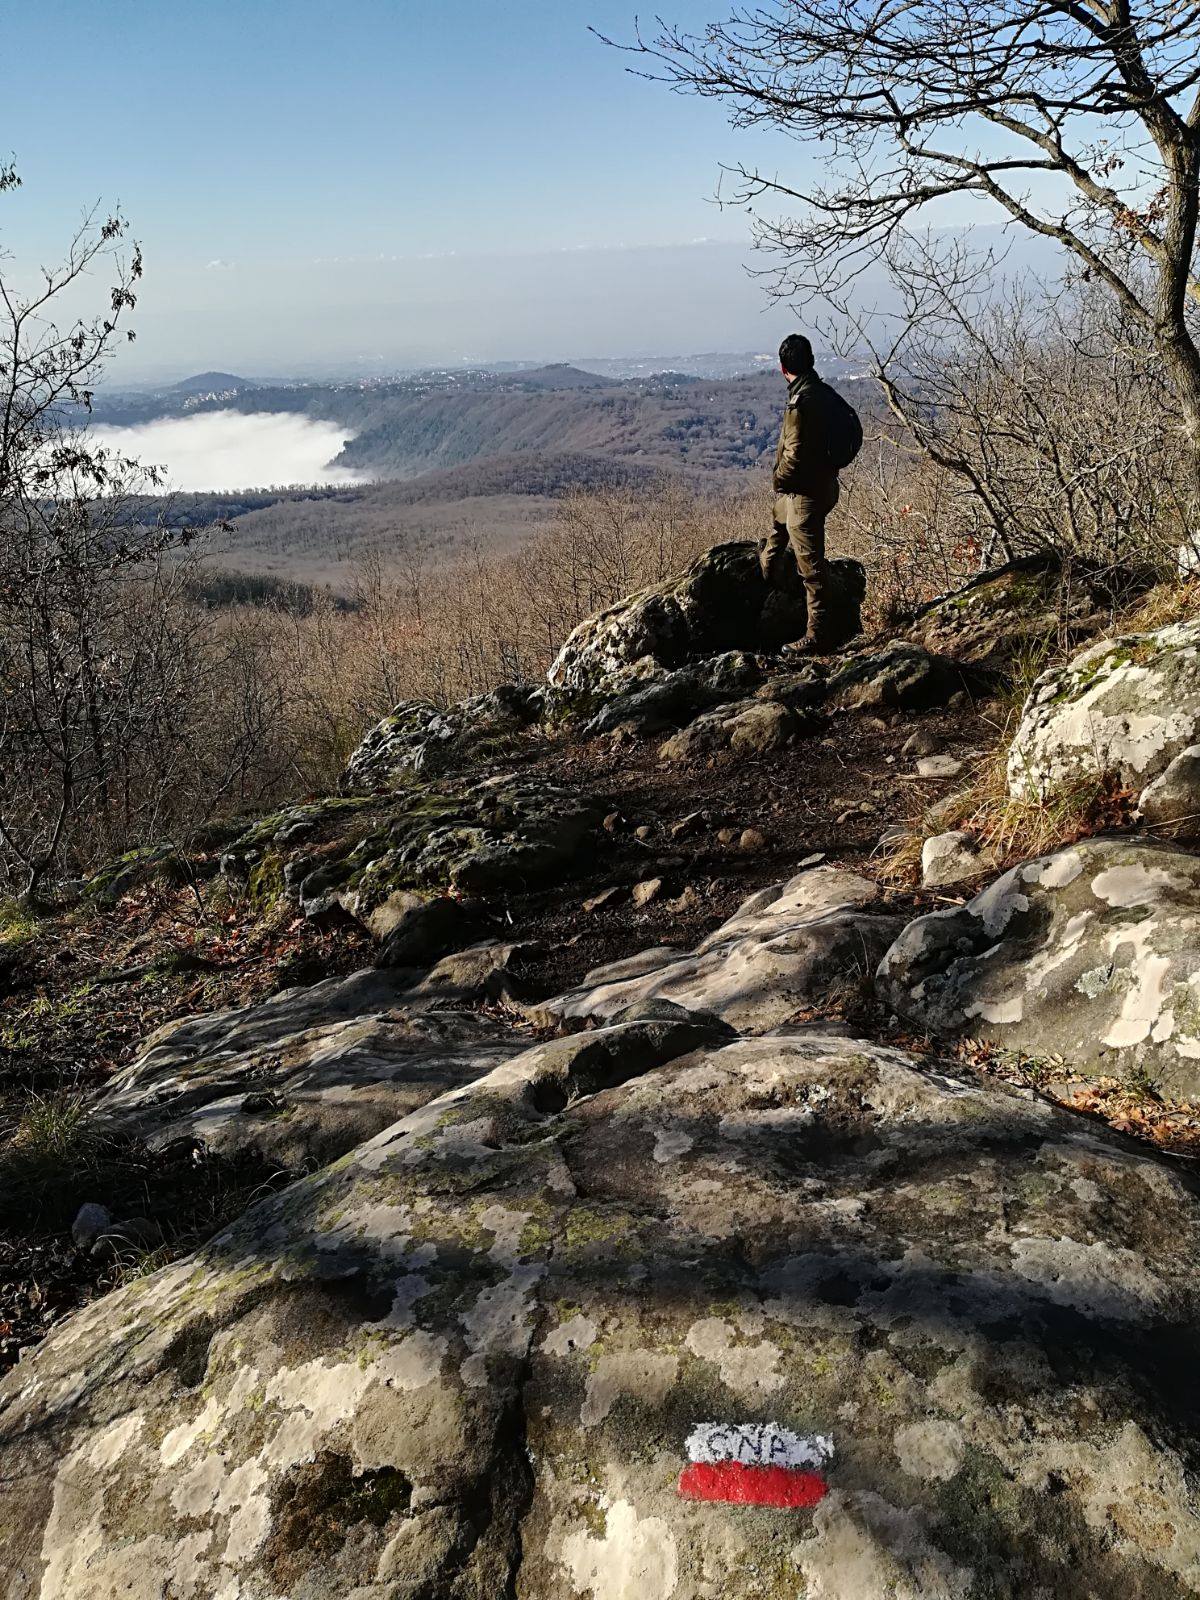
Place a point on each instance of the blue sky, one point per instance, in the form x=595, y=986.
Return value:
x=298, y=170
x=236, y=127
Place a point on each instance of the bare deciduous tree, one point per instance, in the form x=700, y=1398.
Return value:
x=72, y=676
x=1078, y=119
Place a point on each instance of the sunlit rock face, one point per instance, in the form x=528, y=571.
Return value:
x=782, y=951
x=721, y=603
x=1125, y=707
x=1091, y=954
x=479, y=1355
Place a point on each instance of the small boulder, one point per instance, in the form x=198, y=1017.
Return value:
x=429, y=929
x=92, y=1222
x=939, y=767
x=950, y=858
x=897, y=677
x=1125, y=707
x=747, y=728
x=922, y=742
x=643, y=893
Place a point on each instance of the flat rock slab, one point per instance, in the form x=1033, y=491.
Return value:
x=308, y=1074
x=476, y=1358
x=1091, y=954
x=784, y=950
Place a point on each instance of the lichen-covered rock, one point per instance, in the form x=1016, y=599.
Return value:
x=136, y=867
x=785, y=949
x=1125, y=707
x=472, y=838
x=721, y=603
x=896, y=677
x=308, y=1074
x=648, y=700
x=745, y=728
x=950, y=858
x=419, y=736
x=1171, y=804
x=1000, y=613
x=1091, y=954
x=472, y=1359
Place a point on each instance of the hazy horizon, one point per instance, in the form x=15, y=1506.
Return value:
x=374, y=209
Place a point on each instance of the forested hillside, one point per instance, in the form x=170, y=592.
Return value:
x=430, y=424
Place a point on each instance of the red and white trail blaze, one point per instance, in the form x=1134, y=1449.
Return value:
x=755, y=1464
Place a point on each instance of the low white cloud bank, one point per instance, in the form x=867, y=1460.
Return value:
x=235, y=450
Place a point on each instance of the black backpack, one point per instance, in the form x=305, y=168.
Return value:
x=843, y=430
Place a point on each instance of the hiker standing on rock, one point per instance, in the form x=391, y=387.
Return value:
x=820, y=435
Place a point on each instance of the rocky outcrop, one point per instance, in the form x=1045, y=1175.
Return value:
x=786, y=949
x=474, y=839
x=1124, y=708
x=476, y=1357
x=896, y=677
x=305, y=1076
x=720, y=603
x=419, y=737
x=1011, y=609
x=1091, y=955
x=646, y=699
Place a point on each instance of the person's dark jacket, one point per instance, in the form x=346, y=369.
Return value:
x=802, y=464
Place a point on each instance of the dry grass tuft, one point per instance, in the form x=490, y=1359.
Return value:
x=1010, y=828
x=1175, y=600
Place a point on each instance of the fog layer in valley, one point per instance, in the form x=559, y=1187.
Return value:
x=233, y=450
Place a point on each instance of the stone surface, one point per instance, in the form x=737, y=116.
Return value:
x=92, y=1221
x=419, y=737
x=419, y=929
x=465, y=1363
x=720, y=603
x=1125, y=707
x=646, y=699
x=475, y=839
x=784, y=950
x=1091, y=954
x=643, y=893
x=746, y=728
x=921, y=742
x=896, y=677
x=939, y=767
x=950, y=858
x=1013, y=609
x=305, y=1076
x=1171, y=804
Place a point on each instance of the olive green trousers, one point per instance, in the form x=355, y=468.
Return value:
x=796, y=546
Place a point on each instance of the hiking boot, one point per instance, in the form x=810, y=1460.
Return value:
x=807, y=647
